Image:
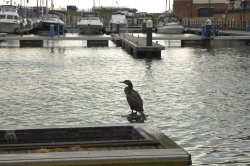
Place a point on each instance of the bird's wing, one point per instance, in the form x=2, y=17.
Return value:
x=137, y=101
x=138, y=97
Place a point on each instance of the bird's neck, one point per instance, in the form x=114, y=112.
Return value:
x=130, y=86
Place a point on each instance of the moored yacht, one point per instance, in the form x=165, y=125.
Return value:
x=90, y=23
x=43, y=26
x=169, y=24
x=9, y=19
x=170, y=28
x=118, y=20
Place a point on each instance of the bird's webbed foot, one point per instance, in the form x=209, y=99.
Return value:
x=133, y=113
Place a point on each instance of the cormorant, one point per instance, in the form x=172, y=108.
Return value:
x=134, y=99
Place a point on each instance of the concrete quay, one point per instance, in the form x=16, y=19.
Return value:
x=221, y=32
x=121, y=145
x=134, y=44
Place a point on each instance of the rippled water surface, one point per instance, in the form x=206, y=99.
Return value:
x=197, y=96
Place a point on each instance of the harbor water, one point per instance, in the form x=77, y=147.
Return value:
x=199, y=97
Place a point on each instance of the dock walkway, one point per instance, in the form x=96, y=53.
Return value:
x=134, y=44
x=19, y=37
x=137, y=46
x=221, y=32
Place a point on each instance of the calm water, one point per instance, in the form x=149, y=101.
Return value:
x=199, y=97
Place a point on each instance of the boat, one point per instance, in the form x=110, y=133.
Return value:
x=48, y=20
x=42, y=27
x=9, y=19
x=170, y=28
x=118, y=19
x=3, y=34
x=90, y=23
x=169, y=24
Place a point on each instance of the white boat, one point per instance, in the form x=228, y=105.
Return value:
x=169, y=24
x=118, y=19
x=9, y=19
x=3, y=34
x=90, y=23
x=170, y=28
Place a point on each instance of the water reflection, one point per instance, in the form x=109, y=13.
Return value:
x=199, y=97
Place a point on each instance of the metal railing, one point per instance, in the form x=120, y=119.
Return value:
x=224, y=24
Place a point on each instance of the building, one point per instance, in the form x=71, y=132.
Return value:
x=233, y=14
x=209, y=8
x=198, y=8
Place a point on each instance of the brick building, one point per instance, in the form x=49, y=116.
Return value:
x=198, y=8
x=211, y=8
x=233, y=14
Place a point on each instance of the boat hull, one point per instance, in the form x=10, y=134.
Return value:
x=114, y=27
x=43, y=28
x=170, y=29
x=7, y=27
x=90, y=29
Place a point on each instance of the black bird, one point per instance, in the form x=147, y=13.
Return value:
x=134, y=99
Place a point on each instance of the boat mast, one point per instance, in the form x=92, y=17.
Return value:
x=24, y=8
x=52, y=5
x=42, y=7
x=93, y=4
x=47, y=11
x=169, y=5
x=166, y=5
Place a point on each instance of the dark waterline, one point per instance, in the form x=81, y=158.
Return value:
x=199, y=97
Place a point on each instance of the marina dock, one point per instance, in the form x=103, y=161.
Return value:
x=221, y=32
x=106, y=145
x=37, y=41
x=134, y=44
x=194, y=40
x=137, y=46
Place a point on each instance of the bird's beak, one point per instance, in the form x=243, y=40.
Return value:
x=121, y=82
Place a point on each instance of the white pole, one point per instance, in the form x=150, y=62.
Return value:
x=42, y=7
x=169, y=5
x=47, y=9
x=166, y=5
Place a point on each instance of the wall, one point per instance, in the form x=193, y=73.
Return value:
x=208, y=1
x=185, y=8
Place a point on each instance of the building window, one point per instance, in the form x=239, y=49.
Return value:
x=205, y=12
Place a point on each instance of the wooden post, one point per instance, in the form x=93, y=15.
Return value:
x=149, y=26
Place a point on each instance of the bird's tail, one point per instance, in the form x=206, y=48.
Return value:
x=143, y=116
